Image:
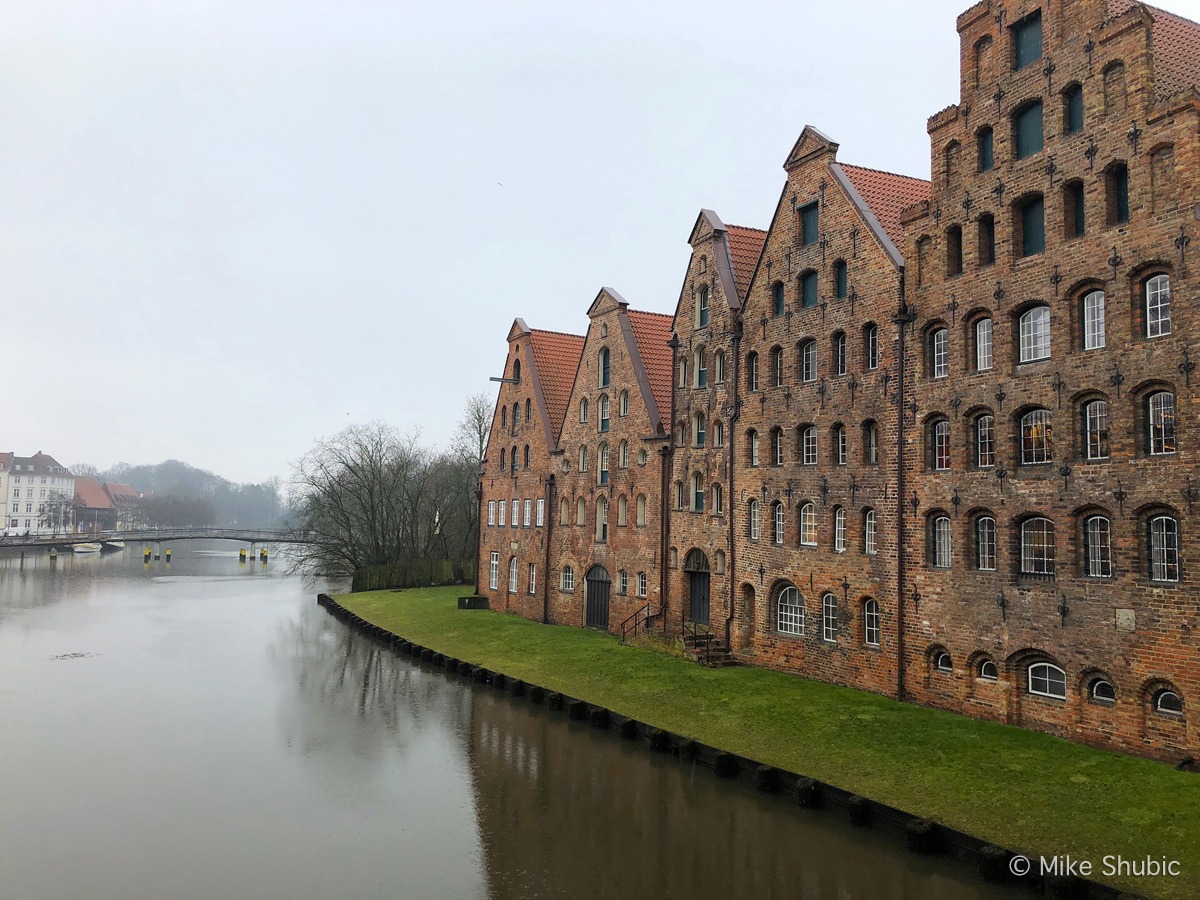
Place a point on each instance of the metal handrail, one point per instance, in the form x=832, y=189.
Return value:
x=638, y=620
x=702, y=638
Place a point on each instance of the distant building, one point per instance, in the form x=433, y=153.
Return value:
x=124, y=499
x=40, y=495
x=94, y=509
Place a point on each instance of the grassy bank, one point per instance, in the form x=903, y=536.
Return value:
x=1026, y=791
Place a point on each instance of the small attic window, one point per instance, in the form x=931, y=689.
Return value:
x=603, y=330
x=1027, y=41
x=703, y=264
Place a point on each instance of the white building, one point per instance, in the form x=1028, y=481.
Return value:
x=40, y=495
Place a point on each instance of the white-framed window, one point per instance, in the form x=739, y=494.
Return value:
x=643, y=585
x=841, y=448
x=541, y=512
x=808, y=361
x=568, y=578
x=941, y=446
x=583, y=410
x=985, y=442
x=752, y=438
x=1093, y=320
x=1037, y=546
x=602, y=519
x=777, y=367
x=1097, y=547
x=494, y=570
x=1168, y=703
x=752, y=371
x=697, y=492
x=983, y=345
x=839, y=353
x=988, y=670
x=719, y=367
x=1102, y=691
x=491, y=512
x=789, y=612
x=869, y=532
x=718, y=500
x=939, y=347
x=512, y=575
x=776, y=447
x=940, y=556
x=752, y=518
x=623, y=404
x=829, y=618
x=623, y=580
x=808, y=525
x=605, y=420
x=1095, y=423
x=1037, y=437
x=1164, y=548
x=1158, y=306
x=1035, y=334
x=1047, y=680
x=718, y=434
x=602, y=467
x=942, y=662
x=777, y=511
x=698, y=430
x=870, y=623
x=516, y=512
x=1160, y=420
x=641, y=509
x=808, y=445
x=533, y=578
x=839, y=529
x=623, y=455
x=527, y=513
x=871, y=347
x=702, y=307
x=503, y=509
x=985, y=544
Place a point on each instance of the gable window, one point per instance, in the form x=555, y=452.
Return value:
x=1046, y=680
x=939, y=542
x=777, y=297
x=1095, y=425
x=789, y=612
x=1074, y=217
x=1037, y=547
x=1115, y=99
x=1027, y=129
x=808, y=290
x=1031, y=220
x=1037, y=437
x=697, y=492
x=987, y=239
x=1073, y=109
x=718, y=500
x=808, y=361
x=1093, y=320
x=808, y=525
x=1158, y=306
x=841, y=452
x=1116, y=190
x=623, y=455
x=604, y=417
x=752, y=447
x=719, y=367
x=702, y=307
x=718, y=434
x=623, y=405
x=839, y=353
x=1035, y=334
x=700, y=366
x=752, y=371
x=839, y=530
x=583, y=459
x=939, y=446
x=683, y=382
x=1160, y=422
x=752, y=518
x=776, y=446
x=808, y=445
x=605, y=370
x=1027, y=41
x=869, y=532
x=985, y=544
x=777, y=366
x=602, y=468
x=1097, y=547
x=984, y=146
x=870, y=443
x=528, y=410
x=840, y=279
x=698, y=434
x=829, y=618
x=939, y=353
x=954, y=251
x=809, y=222
x=983, y=345
x=583, y=410
x=777, y=519
x=871, y=347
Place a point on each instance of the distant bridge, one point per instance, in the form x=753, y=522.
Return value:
x=157, y=536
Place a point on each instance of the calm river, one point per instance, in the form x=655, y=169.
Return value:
x=206, y=730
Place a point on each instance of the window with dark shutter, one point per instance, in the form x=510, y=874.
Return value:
x=809, y=224
x=1073, y=110
x=1027, y=129
x=1027, y=41
x=808, y=289
x=1032, y=220
x=987, y=157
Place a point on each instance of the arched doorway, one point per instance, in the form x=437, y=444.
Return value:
x=696, y=566
x=598, y=585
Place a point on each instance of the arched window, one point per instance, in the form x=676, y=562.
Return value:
x=718, y=500
x=641, y=510
x=777, y=446
x=697, y=492
x=680, y=434
x=679, y=501
x=988, y=671
x=718, y=434
x=1035, y=334
x=624, y=404
x=702, y=307
x=808, y=361
x=942, y=662
x=564, y=511
x=583, y=410
x=939, y=542
x=870, y=434
x=1101, y=691
x=1160, y=423
x=808, y=525
x=526, y=456
x=700, y=366
x=839, y=353
x=840, y=279
x=839, y=529
x=623, y=455
x=752, y=447
x=752, y=371
x=516, y=419
x=983, y=344
x=719, y=367
x=777, y=519
x=568, y=578
x=622, y=511
x=1027, y=129
x=985, y=544
x=1047, y=680
x=841, y=449
x=1037, y=437
x=512, y=459
x=503, y=459
x=789, y=612
x=829, y=625
x=869, y=532
x=1168, y=703
x=517, y=371
x=698, y=433
x=939, y=445
x=1163, y=544
x=580, y=512
x=528, y=410
x=1095, y=430
x=1158, y=306
x=777, y=366
x=870, y=623
x=602, y=519
x=1037, y=546
x=1097, y=547
x=604, y=417
x=602, y=468
x=870, y=347
x=1093, y=320
x=777, y=297
x=752, y=518
x=512, y=575
x=583, y=459
x=683, y=378
x=985, y=441
x=604, y=367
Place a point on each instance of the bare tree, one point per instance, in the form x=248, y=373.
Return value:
x=57, y=512
x=85, y=470
x=471, y=435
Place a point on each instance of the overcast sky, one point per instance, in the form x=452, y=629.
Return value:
x=228, y=229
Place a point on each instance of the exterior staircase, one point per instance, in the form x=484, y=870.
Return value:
x=706, y=648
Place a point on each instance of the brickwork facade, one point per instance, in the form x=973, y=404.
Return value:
x=929, y=439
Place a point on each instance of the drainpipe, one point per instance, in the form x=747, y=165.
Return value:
x=551, y=506
x=668, y=453
x=730, y=449
x=478, y=530
x=904, y=316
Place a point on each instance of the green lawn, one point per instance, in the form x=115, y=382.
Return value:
x=1026, y=791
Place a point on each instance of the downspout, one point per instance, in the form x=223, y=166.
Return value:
x=730, y=442
x=668, y=454
x=551, y=506
x=478, y=530
x=902, y=319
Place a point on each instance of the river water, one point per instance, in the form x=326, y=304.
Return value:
x=204, y=729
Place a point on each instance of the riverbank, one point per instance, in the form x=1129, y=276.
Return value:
x=1014, y=788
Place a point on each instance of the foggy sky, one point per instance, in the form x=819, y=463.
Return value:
x=227, y=229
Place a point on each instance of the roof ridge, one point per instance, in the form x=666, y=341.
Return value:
x=559, y=333
x=647, y=312
x=884, y=172
x=748, y=228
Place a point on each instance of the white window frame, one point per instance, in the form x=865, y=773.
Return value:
x=808, y=525
x=870, y=548
x=1034, y=327
x=527, y=513
x=643, y=585
x=1158, y=306
x=871, y=348
x=829, y=627
x=808, y=442
x=1164, y=548
x=494, y=571
x=808, y=361
x=541, y=512
x=839, y=529
x=940, y=353
x=984, y=359
x=491, y=512
x=942, y=556
x=1096, y=441
x=941, y=446
x=1097, y=540
x=513, y=575
x=1043, y=684
x=985, y=544
x=752, y=518
x=789, y=612
x=1094, y=337
x=533, y=578
x=1031, y=562
x=568, y=579
x=871, y=622
x=778, y=515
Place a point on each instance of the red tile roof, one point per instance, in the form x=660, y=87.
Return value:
x=6, y=460
x=651, y=331
x=90, y=494
x=887, y=194
x=120, y=493
x=745, y=246
x=556, y=356
x=1176, y=43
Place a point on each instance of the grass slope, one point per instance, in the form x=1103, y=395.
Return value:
x=1023, y=790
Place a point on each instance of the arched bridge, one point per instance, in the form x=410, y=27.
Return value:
x=158, y=536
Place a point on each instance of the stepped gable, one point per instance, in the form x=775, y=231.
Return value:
x=651, y=332
x=556, y=356
x=1176, y=43
x=745, y=247
x=886, y=194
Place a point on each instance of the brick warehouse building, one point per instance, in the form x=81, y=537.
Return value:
x=918, y=448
